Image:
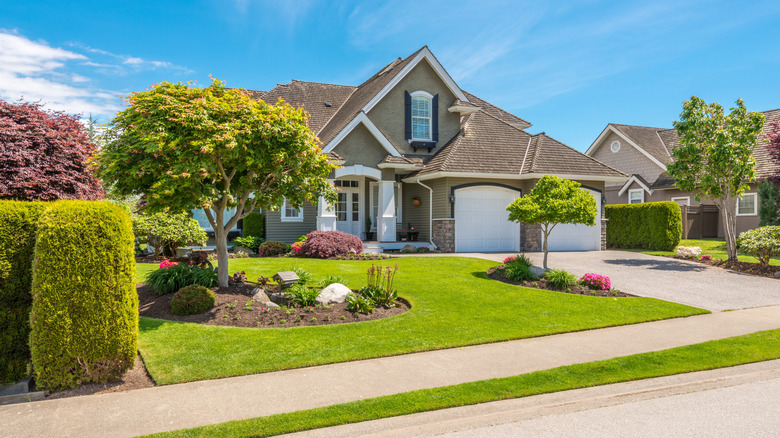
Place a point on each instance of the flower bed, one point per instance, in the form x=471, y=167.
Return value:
x=497, y=273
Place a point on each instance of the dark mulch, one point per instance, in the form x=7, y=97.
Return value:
x=135, y=378
x=744, y=267
x=497, y=273
x=229, y=310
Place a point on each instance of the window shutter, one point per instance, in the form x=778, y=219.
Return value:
x=408, y=115
x=435, y=118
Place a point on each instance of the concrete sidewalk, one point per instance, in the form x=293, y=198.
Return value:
x=206, y=402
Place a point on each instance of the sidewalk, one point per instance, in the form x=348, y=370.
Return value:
x=206, y=402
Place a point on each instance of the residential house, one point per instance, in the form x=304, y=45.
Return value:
x=416, y=151
x=643, y=153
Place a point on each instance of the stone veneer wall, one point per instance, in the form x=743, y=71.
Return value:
x=531, y=237
x=604, y=233
x=444, y=234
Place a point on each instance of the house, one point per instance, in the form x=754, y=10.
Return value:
x=417, y=151
x=643, y=153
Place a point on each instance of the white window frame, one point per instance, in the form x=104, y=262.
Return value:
x=641, y=191
x=428, y=96
x=612, y=146
x=755, y=204
x=285, y=218
x=687, y=199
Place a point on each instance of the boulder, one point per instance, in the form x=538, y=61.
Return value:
x=409, y=248
x=333, y=294
x=259, y=296
x=239, y=248
x=777, y=274
x=537, y=271
x=282, y=299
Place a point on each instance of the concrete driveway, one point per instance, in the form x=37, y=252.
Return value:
x=669, y=279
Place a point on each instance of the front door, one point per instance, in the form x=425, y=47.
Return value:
x=348, y=207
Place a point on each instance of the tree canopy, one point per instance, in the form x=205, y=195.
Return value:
x=44, y=155
x=715, y=157
x=213, y=148
x=554, y=201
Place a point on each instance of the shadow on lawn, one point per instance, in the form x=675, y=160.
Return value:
x=659, y=265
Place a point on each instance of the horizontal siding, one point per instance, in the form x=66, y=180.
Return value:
x=289, y=232
x=417, y=216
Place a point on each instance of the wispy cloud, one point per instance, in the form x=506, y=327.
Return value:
x=125, y=64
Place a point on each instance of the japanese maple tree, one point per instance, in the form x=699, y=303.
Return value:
x=44, y=154
x=215, y=149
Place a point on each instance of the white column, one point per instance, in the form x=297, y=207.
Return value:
x=386, y=221
x=326, y=215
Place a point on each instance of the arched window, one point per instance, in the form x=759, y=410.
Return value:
x=421, y=116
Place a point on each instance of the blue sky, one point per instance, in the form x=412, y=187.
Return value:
x=568, y=67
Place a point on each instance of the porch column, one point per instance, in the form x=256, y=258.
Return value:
x=326, y=215
x=386, y=221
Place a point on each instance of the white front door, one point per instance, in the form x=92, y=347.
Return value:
x=348, y=207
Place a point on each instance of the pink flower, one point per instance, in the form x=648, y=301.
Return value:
x=167, y=264
x=706, y=257
x=509, y=259
x=595, y=281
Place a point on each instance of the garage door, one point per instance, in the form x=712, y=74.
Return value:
x=568, y=237
x=481, y=220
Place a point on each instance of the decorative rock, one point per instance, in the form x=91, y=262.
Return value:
x=537, y=271
x=777, y=274
x=409, y=248
x=333, y=294
x=271, y=304
x=242, y=249
x=259, y=295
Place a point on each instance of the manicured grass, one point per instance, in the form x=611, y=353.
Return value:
x=453, y=304
x=709, y=355
x=714, y=247
x=143, y=269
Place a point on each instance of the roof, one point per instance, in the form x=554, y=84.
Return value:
x=648, y=139
x=765, y=165
x=497, y=112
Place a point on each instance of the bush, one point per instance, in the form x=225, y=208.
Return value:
x=763, y=243
x=250, y=242
x=168, y=231
x=168, y=280
x=359, y=304
x=652, y=225
x=333, y=278
x=687, y=251
x=560, y=279
x=326, y=244
x=521, y=259
x=596, y=282
x=191, y=300
x=18, y=226
x=518, y=272
x=253, y=225
x=273, y=248
x=84, y=316
x=302, y=295
x=304, y=276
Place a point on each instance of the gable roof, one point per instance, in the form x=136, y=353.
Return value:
x=497, y=112
x=648, y=139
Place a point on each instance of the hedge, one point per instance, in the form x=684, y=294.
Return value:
x=18, y=225
x=653, y=225
x=253, y=225
x=85, y=309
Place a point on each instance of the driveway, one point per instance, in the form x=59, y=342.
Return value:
x=669, y=279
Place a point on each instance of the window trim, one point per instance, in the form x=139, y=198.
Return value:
x=687, y=199
x=755, y=204
x=612, y=146
x=428, y=96
x=641, y=191
x=283, y=216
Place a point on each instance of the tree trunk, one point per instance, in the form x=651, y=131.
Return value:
x=729, y=228
x=220, y=235
x=544, y=246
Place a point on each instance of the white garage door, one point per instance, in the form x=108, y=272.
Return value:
x=568, y=237
x=481, y=220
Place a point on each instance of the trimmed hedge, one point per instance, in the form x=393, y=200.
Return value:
x=191, y=300
x=253, y=225
x=272, y=248
x=18, y=226
x=653, y=225
x=85, y=309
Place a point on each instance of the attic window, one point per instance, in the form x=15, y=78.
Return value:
x=615, y=146
x=328, y=104
x=421, y=116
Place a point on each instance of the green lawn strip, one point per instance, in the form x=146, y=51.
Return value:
x=714, y=247
x=728, y=352
x=454, y=304
x=143, y=269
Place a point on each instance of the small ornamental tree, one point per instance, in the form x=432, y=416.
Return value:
x=167, y=231
x=215, y=149
x=554, y=201
x=43, y=155
x=715, y=157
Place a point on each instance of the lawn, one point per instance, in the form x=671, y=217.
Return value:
x=705, y=356
x=714, y=247
x=453, y=304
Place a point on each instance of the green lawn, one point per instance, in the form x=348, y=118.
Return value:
x=709, y=355
x=714, y=247
x=454, y=303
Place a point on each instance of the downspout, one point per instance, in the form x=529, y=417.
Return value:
x=430, y=214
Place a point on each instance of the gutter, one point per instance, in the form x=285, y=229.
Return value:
x=430, y=214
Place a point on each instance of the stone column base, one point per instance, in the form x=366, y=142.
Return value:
x=604, y=233
x=443, y=234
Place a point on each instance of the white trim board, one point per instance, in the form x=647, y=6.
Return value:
x=753, y=195
x=640, y=191
x=513, y=176
x=425, y=54
x=609, y=128
x=362, y=118
x=639, y=183
x=687, y=199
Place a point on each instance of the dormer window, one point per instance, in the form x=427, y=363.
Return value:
x=421, y=116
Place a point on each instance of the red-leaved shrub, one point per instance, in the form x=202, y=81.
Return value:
x=325, y=244
x=272, y=248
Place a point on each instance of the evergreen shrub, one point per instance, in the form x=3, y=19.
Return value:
x=655, y=226
x=253, y=225
x=191, y=300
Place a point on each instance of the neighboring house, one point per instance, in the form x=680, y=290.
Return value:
x=415, y=150
x=643, y=153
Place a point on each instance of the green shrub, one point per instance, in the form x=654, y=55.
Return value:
x=380, y=296
x=332, y=278
x=560, y=279
x=518, y=272
x=168, y=280
x=168, y=231
x=652, y=225
x=18, y=226
x=302, y=295
x=251, y=242
x=769, y=203
x=84, y=316
x=191, y=300
x=253, y=225
x=359, y=304
x=304, y=276
x=762, y=243
x=273, y=248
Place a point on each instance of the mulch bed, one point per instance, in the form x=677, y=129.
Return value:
x=497, y=273
x=743, y=267
x=229, y=310
x=134, y=378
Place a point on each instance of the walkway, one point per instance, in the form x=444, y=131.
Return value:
x=206, y=402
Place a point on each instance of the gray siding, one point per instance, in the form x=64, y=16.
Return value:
x=417, y=216
x=289, y=232
x=627, y=159
x=360, y=147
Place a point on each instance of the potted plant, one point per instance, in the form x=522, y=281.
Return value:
x=413, y=233
x=403, y=235
x=416, y=201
